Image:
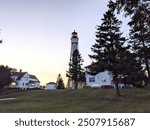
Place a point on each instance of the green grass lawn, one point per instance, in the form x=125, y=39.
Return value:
x=90, y=101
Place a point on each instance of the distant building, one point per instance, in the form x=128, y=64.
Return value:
x=24, y=80
x=51, y=86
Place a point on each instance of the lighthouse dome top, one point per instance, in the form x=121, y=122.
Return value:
x=74, y=34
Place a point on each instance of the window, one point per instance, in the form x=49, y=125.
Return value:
x=104, y=80
x=92, y=79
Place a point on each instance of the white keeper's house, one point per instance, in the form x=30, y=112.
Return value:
x=24, y=80
x=102, y=79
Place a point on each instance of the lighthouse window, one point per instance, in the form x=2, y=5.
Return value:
x=92, y=79
x=74, y=43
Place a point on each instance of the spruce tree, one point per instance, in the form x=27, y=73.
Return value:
x=129, y=6
x=140, y=35
x=139, y=12
x=109, y=49
x=75, y=72
x=60, y=82
x=133, y=73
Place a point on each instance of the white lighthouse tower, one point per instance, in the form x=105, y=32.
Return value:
x=74, y=46
x=74, y=43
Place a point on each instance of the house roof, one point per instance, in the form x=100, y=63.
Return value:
x=19, y=74
x=33, y=77
x=51, y=83
x=91, y=65
x=93, y=69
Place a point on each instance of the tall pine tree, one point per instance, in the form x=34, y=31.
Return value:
x=109, y=48
x=133, y=72
x=129, y=6
x=139, y=12
x=140, y=34
x=75, y=72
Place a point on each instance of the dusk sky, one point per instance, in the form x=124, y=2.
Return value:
x=36, y=34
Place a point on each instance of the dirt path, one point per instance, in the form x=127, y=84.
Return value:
x=7, y=99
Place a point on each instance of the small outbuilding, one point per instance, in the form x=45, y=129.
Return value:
x=51, y=86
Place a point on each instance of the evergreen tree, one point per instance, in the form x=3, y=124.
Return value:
x=5, y=73
x=60, y=82
x=140, y=35
x=109, y=48
x=133, y=73
x=75, y=72
x=129, y=6
x=139, y=12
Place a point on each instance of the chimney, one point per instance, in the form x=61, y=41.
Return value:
x=20, y=70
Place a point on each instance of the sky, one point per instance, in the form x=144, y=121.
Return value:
x=36, y=34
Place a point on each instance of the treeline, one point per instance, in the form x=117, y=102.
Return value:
x=5, y=74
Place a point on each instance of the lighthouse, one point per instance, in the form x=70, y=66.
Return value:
x=74, y=43
x=74, y=46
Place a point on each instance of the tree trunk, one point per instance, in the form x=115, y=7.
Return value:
x=116, y=85
x=117, y=90
x=145, y=53
x=148, y=69
x=76, y=85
